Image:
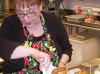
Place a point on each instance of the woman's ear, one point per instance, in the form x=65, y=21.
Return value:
x=40, y=6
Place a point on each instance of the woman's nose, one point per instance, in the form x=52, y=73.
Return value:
x=25, y=17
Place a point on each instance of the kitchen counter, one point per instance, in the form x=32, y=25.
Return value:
x=79, y=25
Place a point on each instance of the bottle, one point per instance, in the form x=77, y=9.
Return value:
x=89, y=15
x=89, y=11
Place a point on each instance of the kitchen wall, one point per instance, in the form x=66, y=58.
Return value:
x=71, y=4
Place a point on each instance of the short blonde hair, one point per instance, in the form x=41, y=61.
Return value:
x=22, y=2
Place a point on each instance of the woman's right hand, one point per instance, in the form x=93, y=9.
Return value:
x=43, y=58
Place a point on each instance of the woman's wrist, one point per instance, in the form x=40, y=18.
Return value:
x=60, y=62
x=34, y=51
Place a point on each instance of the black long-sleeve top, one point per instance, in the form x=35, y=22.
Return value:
x=11, y=36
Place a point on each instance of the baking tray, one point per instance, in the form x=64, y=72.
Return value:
x=77, y=18
x=90, y=24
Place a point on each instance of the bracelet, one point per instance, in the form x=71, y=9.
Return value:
x=62, y=63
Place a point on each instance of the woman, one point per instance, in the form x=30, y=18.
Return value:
x=31, y=39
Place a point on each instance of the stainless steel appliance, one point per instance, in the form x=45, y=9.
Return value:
x=52, y=6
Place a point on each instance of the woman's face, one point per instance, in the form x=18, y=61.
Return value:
x=29, y=16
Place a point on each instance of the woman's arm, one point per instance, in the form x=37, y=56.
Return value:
x=64, y=59
x=41, y=57
x=63, y=41
x=23, y=51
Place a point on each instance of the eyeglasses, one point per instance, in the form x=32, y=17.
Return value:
x=27, y=14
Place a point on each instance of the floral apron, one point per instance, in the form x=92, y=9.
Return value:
x=31, y=65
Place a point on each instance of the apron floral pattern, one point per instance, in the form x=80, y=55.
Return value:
x=31, y=66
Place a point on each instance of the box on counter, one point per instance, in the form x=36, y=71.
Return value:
x=85, y=46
